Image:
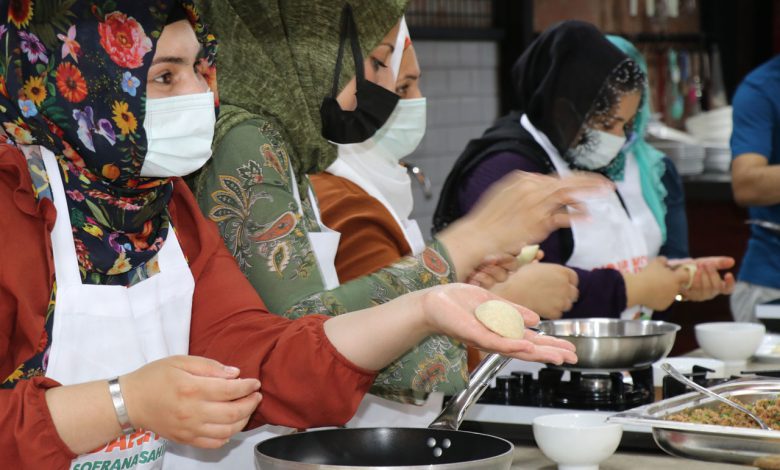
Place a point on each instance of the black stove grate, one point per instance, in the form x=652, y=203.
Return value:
x=608, y=391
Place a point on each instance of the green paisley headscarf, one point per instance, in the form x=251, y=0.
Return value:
x=277, y=60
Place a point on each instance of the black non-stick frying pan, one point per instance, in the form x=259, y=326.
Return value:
x=439, y=446
x=384, y=447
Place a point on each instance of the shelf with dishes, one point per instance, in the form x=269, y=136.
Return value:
x=703, y=149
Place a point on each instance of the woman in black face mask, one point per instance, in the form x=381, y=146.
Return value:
x=367, y=196
x=577, y=97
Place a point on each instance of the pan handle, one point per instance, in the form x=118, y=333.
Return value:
x=452, y=414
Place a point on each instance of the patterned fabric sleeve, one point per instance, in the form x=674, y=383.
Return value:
x=248, y=192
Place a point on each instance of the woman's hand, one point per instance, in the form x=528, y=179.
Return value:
x=656, y=285
x=187, y=399
x=524, y=208
x=521, y=209
x=450, y=309
x=191, y=400
x=496, y=269
x=546, y=288
x=493, y=270
x=388, y=330
x=707, y=282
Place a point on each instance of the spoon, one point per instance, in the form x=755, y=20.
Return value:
x=669, y=369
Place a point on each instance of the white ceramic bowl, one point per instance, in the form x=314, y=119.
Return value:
x=731, y=342
x=577, y=441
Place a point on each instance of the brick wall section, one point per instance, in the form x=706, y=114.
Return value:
x=460, y=80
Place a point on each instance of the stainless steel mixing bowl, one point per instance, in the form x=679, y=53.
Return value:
x=612, y=344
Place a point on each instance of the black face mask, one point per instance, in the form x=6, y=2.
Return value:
x=374, y=103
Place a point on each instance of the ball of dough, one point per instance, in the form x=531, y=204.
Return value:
x=527, y=254
x=501, y=318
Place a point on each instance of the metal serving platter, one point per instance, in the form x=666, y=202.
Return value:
x=745, y=446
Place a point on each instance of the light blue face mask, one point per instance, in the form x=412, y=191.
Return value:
x=402, y=132
x=598, y=151
x=179, y=131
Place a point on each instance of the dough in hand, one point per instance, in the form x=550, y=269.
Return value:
x=691, y=268
x=527, y=254
x=501, y=318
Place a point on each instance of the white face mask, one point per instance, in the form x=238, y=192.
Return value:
x=402, y=132
x=179, y=131
x=598, y=151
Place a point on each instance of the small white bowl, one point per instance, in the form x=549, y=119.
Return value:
x=577, y=441
x=731, y=342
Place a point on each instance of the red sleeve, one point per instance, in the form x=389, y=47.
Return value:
x=28, y=438
x=305, y=381
x=370, y=237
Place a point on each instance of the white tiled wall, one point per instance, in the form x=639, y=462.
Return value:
x=460, y=80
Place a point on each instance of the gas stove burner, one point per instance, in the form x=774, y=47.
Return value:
x=610, y=391
x=596, y=384
x=605, y=391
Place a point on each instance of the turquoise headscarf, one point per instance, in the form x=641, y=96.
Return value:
x=649, y=159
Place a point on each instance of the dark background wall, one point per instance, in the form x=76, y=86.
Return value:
x=746, y=32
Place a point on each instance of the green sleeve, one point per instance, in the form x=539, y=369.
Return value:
x=248, y=191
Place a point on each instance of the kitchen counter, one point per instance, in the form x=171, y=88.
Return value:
x=531, y=458
x=528, y=456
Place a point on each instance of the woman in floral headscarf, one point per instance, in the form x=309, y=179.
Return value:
x=110, y=270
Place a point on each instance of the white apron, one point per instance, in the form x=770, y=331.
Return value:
x=609, y=238
x=409, y=227
x=376, y=412
x=641, y=215
x=239, y=452
x=325, y=243
x=373, y=410
x=103, y=331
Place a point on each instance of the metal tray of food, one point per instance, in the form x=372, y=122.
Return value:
x=713, y=442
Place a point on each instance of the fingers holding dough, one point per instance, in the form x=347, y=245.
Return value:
x=527, y=254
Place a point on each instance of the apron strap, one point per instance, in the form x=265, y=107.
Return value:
x=66, y=265
x=316, y=208
x=312, y=200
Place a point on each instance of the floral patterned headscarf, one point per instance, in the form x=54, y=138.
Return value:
x=73, y=80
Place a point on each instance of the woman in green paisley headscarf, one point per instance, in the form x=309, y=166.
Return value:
x=277, y=61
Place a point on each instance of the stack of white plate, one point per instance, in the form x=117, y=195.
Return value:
x=711, y=126
x=688, y=158
x=717, y=159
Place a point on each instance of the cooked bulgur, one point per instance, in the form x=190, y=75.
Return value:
x=766, y=409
